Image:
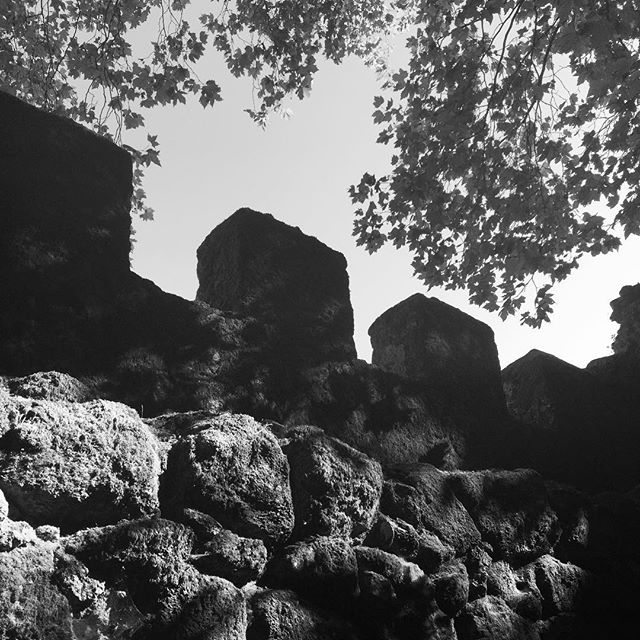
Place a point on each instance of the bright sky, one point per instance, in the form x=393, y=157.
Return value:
x=299, y=170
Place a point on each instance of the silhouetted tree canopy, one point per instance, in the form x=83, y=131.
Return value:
x=514, y=125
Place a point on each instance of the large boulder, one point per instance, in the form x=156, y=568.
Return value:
x=517, y=588
x=72, y=304
x=511, y=510
x=490, y=617
x=218, y=612
x=257, y=265
x=575, y=425
x=404, y=577
x=404, y=540
x=426, y=339
x=507, y=510
x=227, y=555
x=547, y=394
x=452, y=588
x=74, y=465
x=50, y=385
x=436, y=382
x=336, y=489
x=423, y=497
x=47, y=594
x=150, y=557
x=542, y=589
x=280, y=615
x=388, y=417
x=65, y=195
x=235, y=471
x=323, y=569
x=564, y=587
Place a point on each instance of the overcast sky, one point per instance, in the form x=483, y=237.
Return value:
x=216, y=161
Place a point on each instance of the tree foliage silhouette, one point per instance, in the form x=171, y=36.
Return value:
x=515, y=125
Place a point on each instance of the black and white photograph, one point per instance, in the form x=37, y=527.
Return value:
x=319, y=319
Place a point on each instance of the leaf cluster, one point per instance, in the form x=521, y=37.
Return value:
x=513, y=125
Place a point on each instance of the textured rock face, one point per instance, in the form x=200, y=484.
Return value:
x=490, y=617
x=404, y=577
x=453, y=358
x=626, y=312
x=72, y=464
x=422, y=496
x=64, y=232
x=511, y=510
x=239, y=560
x=50, y=385
x=454, y=554
x=151, y=556
x=425, y=339
x=402, y=539
x=575, y=425
x=507, y=510
x=4, y=507
x=336, y=489
x=323, y=569
x=390, y=418
x=412, y=548
x=259, y=266
x=540, y=590
x=546, y=393
x=235, y=471
x=48, y=594
x=280, y=615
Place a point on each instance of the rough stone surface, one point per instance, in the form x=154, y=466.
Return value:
x=422, y=496
x=511, y=510
x=518, y=589
x=50, y=385
x=30, y=606
x=150, y=556
x=218, y=612
x=48, y=533
x=74, y=465
x=239, y=560
x=16, y=534
x=425, y=339
x=64, y=231
x=4, y=507
x=257, y=265
x=572, y=508
x=546, y=393
x=97, y=611
x=46, y=594
x=236, y=472
x=402, y=539
x=391, y=419
x=478, y=562
x=442, y=553
x=490, y=617
x=280, y=615
x=562, y=411
x=452, y=588
x=404, y=576
x=205, y=527
x=564, y=587
x=323, y=569
x=336, y=489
